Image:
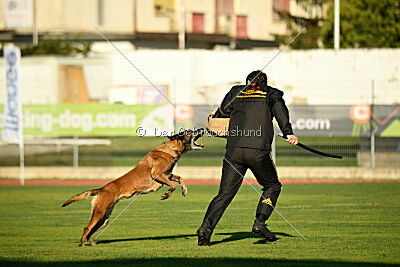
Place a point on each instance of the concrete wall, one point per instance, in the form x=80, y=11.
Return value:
x=203, y=77
x=307, y=77
x=205, y=173
x=40, y=78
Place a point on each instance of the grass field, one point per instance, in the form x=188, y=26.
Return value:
x=345, y=225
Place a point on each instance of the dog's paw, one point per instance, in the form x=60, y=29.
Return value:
x=165, y=196
x=81, y=244
x=184, y=191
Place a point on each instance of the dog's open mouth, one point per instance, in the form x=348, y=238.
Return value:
x=196, y=136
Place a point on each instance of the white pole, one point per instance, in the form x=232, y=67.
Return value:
x=336, y=34
x=21, y=163
x=372, y=133
x=76, y=147
x=182, y=25
x=21, y=147
x=35, y=28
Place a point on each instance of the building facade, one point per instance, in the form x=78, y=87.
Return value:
x=156, y=23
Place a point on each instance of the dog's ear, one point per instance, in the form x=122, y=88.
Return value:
x=178, y=136
x=173, y=137
x=181, y=134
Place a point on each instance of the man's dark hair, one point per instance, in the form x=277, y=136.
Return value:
x=257, y=76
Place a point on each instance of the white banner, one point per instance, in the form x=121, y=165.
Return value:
x=12, y=119
x=17, y=13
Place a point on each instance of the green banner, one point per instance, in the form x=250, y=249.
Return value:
x=95, y=119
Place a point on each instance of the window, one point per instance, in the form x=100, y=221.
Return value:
x=198, y=23
x=241, y=27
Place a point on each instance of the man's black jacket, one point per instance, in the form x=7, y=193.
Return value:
x=251, y=110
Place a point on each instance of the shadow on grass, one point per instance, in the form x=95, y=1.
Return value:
x=144, y=238
x=234, y=236
x=191, y=262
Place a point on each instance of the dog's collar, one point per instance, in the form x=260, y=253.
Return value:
x=176, y=150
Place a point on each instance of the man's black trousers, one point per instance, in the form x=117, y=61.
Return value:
x=237, y=161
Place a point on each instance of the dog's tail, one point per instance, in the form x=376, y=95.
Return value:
x=81, y=196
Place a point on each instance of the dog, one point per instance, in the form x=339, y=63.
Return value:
x=150, y=174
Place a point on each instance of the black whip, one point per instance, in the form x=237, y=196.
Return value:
x=314, y=150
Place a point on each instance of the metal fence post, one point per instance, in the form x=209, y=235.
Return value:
x=76, y=146
x=371, y=128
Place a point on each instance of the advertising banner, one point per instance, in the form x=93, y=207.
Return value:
x=17, y=13
x=161, y=119
x=313, y=120
x=12, y=118
x=97, y=120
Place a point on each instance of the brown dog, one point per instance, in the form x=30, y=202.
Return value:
x=152, y=172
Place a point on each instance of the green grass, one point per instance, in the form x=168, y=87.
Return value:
x=345, y=225
x=127, y=151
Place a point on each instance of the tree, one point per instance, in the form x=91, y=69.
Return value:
x=364, y=23
x=56, y=46
x=311, y=18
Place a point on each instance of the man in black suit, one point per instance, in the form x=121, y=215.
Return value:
x=251, y=109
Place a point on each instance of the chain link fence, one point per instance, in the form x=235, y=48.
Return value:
x=365, y=131
x=127, y=151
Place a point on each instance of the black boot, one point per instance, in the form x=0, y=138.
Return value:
x=203, y=238
x=259, y=228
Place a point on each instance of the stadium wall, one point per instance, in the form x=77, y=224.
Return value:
x=313, y=77
x=203, y=173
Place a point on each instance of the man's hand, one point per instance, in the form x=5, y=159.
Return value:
x=292, y=139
